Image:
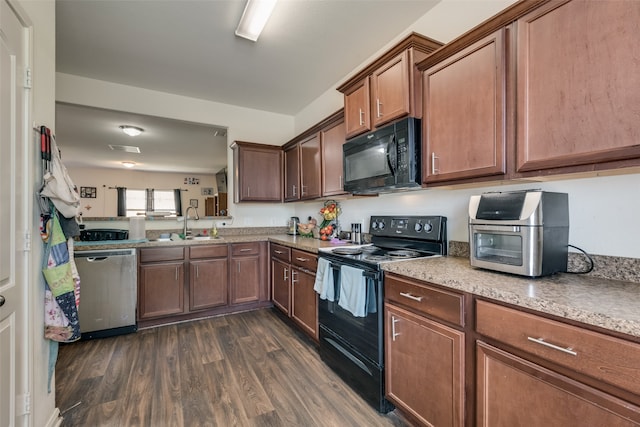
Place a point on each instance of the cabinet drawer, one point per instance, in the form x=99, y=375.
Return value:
x=214, y=251
x=438, y=303
x=605, y=358
x=304, y=259
x=242, y=249
x=281, y=252
x=161, y=254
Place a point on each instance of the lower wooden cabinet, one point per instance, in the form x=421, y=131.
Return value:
x=185, y=282
x=292, y=278
x=515, y=392
x=424, y=367
x=208, y=272
x=247, y=276
x=161, y=289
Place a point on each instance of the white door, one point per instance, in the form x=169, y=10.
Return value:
x=13, y=258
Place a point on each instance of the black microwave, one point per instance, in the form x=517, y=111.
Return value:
x=385, y=160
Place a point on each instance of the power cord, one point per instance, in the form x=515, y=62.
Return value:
x=588, y=257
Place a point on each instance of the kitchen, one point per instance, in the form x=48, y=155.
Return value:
x=599, y=200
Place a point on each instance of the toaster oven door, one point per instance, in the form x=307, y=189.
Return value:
x=511, y=249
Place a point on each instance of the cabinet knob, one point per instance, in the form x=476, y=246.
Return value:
x=2, y=300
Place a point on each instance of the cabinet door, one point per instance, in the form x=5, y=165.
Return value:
x=304, y=301
x=292, y=173
x=357, y=109
x=464, y=113
x=424, y=368
x=280, y=281
x=515, y=392
x=258, y=173
x=332, y=140
x=161, y=290
x=310, y=168
x=245, y=279
x=208, y=283
x=390, y=90
x=577, y=84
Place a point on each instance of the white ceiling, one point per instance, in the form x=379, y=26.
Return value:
x=189, y=48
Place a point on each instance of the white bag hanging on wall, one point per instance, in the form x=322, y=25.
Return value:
x=59, y=187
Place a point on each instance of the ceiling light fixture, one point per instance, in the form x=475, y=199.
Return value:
x=131, y=130
x=128, y=164
x=254, y=18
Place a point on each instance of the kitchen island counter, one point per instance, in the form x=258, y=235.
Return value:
x=609, y=304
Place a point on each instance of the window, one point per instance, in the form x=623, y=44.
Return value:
x=139, y=202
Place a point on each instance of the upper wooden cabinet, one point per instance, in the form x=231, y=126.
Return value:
x=388, y=88
x=332, y=139
x=578, y=68
x=464, y=116
x=313, y=161
x=257, y=172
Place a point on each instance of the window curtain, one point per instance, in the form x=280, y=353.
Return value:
x=177, y=194
x=149, y=197
x=122, y=201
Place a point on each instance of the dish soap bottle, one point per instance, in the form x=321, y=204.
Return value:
x=214, y=232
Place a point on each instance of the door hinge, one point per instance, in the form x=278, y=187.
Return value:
x=27, y=241
x=23, y=406
x=27, y=78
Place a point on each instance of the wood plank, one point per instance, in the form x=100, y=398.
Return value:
x=166, y=406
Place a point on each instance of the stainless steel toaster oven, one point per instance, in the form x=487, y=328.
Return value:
x=519, y=232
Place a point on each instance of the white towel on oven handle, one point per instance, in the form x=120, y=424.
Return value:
x=324, y=285
x=353, y=291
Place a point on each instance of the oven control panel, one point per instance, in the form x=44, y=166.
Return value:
x=421, y=227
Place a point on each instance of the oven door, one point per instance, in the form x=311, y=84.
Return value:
x=363, y=334
x=508, y=248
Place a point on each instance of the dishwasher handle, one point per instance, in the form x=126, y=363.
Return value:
x=96, y=258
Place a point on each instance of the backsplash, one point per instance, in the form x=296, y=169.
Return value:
x=607, y=267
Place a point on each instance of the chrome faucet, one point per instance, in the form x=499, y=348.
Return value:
x=187, y=232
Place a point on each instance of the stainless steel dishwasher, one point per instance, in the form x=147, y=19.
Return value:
x=108, y=292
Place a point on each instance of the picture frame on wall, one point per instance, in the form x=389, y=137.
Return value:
x=207, y=191
x=193, y=203
x=88, y=192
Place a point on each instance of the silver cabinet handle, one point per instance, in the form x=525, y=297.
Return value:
x=541, y=341
x=294, y=190
x=341, y=185
x=176, y=274
x=284, y=275
x=378, y=104
x=248, y=191
x=245, y=250
x=293, y=277
x=413, y=297
x=197, y=271
x=361, y=116
x=302, y=259
x=2, y=300
x=238, y=263
x=434, y=171
x=393, y=328
x=278, y=252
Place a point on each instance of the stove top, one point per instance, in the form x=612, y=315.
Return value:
x=396, y=238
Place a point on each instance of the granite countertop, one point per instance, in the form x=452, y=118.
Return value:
x=605, y=303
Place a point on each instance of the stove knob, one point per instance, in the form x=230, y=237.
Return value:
x=381, y=225
x=428, y=227
x=374, y=225
x=418, y=226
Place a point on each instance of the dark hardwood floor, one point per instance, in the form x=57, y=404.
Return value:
x=247, y=369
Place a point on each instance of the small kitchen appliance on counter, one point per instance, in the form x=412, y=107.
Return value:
x=519, y=232
x=351, y=331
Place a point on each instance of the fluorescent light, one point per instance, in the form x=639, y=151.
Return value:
x=254, y=18
x=131, y=130
x=128, y=164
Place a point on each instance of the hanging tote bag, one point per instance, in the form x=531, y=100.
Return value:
x=59, y=187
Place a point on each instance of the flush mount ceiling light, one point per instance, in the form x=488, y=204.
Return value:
x=131, y=130
x=128, y=164
x=254, y=18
